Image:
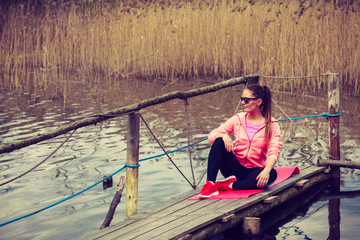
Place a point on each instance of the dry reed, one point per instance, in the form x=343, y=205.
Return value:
x=182, y=39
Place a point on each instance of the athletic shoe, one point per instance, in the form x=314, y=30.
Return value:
x=223, y=185
x=208, y=190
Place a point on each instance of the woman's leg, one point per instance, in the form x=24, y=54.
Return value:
x=221, y=159
x=226, y=162
x=248, y=180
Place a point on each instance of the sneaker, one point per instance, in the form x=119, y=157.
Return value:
x=223, y=185
x=208, y=190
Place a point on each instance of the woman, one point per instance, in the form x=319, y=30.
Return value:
x=249, y=163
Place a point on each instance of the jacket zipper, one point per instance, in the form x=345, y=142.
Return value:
x=247, y=154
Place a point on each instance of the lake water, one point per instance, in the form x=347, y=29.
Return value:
x=98, y=150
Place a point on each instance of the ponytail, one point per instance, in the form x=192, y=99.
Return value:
x=264, y=93
x=266, y=111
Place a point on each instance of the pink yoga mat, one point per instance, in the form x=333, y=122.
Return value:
x=283, y=174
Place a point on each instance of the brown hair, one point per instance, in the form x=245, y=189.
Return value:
x=264, y=93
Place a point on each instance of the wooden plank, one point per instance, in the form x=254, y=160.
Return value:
x=163, y=217
x=180, y=228
x=183, y=208
x=198, y=206
x=141, y=227
x=103, y=233
x=171, y=202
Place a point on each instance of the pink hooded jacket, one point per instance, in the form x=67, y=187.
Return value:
x=251, y=154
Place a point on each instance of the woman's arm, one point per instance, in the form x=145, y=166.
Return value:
x=229, y=145
x=224, y=129
x=263, y=177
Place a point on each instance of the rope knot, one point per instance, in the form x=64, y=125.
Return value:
x=132, y=166
x=327, y=115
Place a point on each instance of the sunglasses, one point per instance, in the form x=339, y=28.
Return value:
x=246, y=99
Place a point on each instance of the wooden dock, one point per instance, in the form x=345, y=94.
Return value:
x=179, y=218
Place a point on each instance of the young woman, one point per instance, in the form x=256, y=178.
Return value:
x=249, y=163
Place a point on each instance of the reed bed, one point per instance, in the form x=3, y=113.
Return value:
x=181, y=39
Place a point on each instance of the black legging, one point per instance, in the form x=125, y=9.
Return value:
x=226, y=162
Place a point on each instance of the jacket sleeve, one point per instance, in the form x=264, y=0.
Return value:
x=275, y=141
x=225, y=128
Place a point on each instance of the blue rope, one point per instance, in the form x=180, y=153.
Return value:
x=63, y=200
x=325, y=115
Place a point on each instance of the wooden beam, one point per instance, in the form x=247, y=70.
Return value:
x=338, y=163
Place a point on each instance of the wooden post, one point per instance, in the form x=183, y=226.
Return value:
x=334, y=122
x=252, y=226
x=132, y=162
x=334, y=130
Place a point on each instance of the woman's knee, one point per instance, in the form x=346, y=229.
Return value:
x=218, y=143
x=273, y=175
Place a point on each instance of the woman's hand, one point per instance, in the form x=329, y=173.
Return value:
x=263, y=178
x=264, y=175
x=229, y=145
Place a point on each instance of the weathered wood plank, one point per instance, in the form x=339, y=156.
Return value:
x=141, y=227
x=103, y=233
x=182, y=227
x=171, y=202
x=171, y=215
x=149, y=221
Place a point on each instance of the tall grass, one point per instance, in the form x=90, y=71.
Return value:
x=182, y=39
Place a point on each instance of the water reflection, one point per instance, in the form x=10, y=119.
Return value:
x=99, y=150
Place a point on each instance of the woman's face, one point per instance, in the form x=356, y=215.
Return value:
x=249, y=102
